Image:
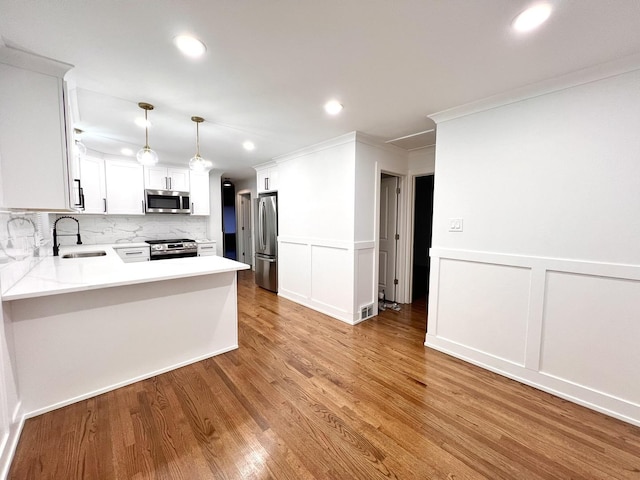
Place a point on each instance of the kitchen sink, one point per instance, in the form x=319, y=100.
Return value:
x=97, y=253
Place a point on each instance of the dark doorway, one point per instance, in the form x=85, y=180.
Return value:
x=422, y=223
x=229, y=219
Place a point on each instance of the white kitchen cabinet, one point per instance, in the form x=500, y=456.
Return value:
x=166, y=178
x=134, y=254
x=267, y=178
x=125, y=187
x=93, y=184
x=199, y=195
x=33, y=142
x=206, y=248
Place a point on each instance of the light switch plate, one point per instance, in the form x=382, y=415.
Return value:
x=455, y=224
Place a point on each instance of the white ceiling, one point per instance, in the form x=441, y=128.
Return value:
x=271, y=65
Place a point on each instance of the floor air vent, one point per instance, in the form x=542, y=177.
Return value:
x=366, y=312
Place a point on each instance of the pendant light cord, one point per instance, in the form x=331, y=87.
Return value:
x=198, y=139
x=146, y=130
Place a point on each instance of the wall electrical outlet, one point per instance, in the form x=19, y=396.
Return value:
x=455, y=224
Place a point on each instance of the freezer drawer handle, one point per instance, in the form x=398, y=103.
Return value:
x=270, y=260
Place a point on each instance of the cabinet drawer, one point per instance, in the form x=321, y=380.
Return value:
x=133, y=254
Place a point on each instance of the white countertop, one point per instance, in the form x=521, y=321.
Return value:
x=57, y=275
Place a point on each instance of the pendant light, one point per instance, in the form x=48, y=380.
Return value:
x=145, y=155
x=79, y=147
x=197, y=163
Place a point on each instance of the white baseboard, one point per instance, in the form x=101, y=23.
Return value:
x=579, y=394
x=9, y=450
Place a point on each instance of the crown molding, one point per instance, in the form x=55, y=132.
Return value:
x=573, y=79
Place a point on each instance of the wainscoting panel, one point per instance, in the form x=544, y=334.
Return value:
x=591, y=333
x=320, y=274
x=365, y=288
x=294, y=268
x=332, y=277
x=484, y=306
x=567, y=327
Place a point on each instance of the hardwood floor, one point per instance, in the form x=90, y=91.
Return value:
x=309, y=397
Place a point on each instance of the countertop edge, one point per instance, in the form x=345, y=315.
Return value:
x=62, y=283
x=83, y=288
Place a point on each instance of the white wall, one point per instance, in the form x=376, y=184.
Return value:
x=542, y=284
x=422, y=161
x=316, y=227
x=328, y=210
x=214, y=223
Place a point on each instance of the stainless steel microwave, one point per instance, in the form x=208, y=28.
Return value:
x=167, y=201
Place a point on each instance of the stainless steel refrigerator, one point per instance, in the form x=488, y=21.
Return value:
x=266, y=241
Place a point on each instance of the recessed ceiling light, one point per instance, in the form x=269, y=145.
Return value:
x=333, y=107
x=142, y=123
x=190, y=46
x=126, y=151
x=249, y=145
x=532, y=17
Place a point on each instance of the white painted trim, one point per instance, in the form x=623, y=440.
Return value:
x=598, y=401
x=10, y=446
x=33, y=62
x=317, y=147
x=573, y=79
x=322, y=242
x=321, y=307
x=613, y=270
x=124, y=383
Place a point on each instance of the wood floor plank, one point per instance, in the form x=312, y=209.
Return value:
x=308, y=397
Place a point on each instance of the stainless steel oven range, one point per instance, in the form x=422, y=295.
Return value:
x=172, y=248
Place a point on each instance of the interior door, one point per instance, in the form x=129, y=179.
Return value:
x=388, y=240
x=245, y=228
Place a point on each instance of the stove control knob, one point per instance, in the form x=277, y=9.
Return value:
x=156, y=247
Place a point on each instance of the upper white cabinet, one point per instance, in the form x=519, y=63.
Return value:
x=125, y=187
x=93, y=185
x=33, y=141
x=267, y=177
x=166, y=178
x=199, y=194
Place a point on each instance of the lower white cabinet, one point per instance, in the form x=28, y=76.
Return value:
x=206, y=248
x=199, y=194
x=133, y=254
x=125, y=187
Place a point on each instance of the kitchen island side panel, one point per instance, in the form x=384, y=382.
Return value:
x=73, y=346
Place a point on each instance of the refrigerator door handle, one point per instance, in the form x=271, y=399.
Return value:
x=260, y=226
x=265, y=259
x=263, y=221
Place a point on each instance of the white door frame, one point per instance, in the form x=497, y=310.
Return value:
x=402, y=293
x=239, y=213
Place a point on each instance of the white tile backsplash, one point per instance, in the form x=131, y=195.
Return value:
x=99, y=229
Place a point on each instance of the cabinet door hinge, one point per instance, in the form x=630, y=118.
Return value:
x=398, y=190
x=397, y=236
x=395, y=281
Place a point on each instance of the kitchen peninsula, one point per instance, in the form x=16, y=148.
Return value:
x=84, y=326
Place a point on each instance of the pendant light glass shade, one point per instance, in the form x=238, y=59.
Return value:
x=197, y=163
x=79, y=148
x=145, y=155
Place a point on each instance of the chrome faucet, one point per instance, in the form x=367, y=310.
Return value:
x=56, y=246
x=22, y=219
